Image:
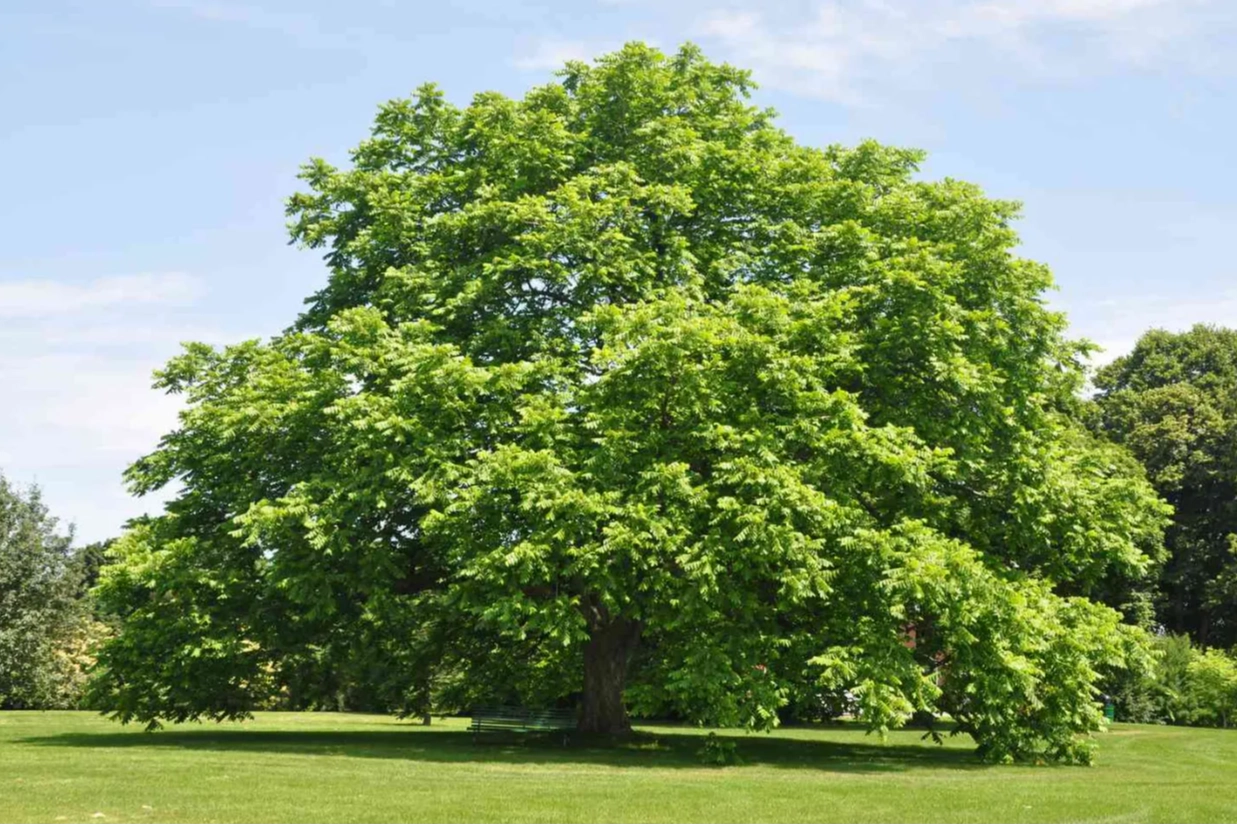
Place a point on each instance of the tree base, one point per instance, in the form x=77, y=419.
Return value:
x=606, y=657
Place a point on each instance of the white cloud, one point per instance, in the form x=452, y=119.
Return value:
x=48, y=298
x=552, y=54
x=85, y=404
x=850, y=51
x=1116, y=324
x=76, y=360
x=72, y=332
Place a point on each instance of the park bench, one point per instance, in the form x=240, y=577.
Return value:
x=511, y=719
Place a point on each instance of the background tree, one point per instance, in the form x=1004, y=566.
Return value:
x=1173, y=402
x=41, y=617
x=90, y=559
x=616, y=394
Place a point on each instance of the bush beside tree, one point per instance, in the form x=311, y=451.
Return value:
x=1180, y=684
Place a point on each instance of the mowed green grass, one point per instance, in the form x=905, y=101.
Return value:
x=290, y=767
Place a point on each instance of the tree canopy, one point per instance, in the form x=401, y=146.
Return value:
x=1172, y=402
x=41, y=616
x=616, y=394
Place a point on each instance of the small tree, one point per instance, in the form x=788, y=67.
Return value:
x=1212, y=686
x=40, y=616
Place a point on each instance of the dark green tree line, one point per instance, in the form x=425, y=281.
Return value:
x=1172, y=402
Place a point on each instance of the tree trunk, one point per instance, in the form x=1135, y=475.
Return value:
x=606, y=657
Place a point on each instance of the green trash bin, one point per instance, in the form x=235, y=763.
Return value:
x=1110, y=711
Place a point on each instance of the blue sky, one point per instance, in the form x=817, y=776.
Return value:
x=147, y=146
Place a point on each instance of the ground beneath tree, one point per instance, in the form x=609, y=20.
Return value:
x=291, y=767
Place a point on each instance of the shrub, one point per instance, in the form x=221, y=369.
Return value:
x=1212, y=688
x=717, y=751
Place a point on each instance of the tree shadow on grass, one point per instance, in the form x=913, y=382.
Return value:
x=659, y=749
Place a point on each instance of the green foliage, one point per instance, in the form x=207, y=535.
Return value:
x=718, y=752
x=616, y=392
x=90, y=559
x=1173, y=403
x=1174, y=655
x=1153, y=687
x=1212, y=681
x=1182, y=684
x=45, y=634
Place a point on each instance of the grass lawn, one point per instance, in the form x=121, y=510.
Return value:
x=67, y=766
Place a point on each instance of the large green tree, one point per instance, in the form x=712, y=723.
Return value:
x=41, y=617
x=615, y=393
x=1172, y=401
